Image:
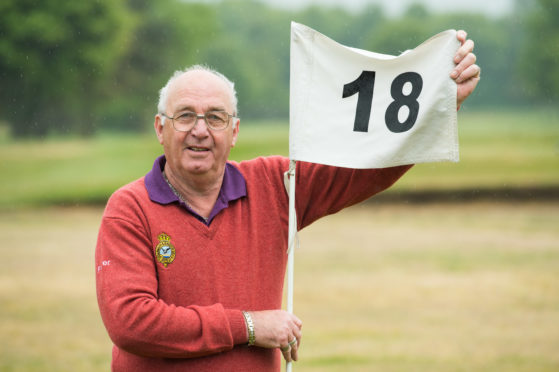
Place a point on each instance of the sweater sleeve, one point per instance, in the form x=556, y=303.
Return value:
x=127, y=291
x=322, y=190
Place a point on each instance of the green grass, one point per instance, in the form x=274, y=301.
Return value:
x=498, y=150
x=440, y=288
x=437, y=288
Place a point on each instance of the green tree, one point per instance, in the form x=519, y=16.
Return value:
x=365, y=23
x=167, y=35
x=397, y=35
x=54, y=57
x=496, y=53
x=539, y=66
x=252, y=49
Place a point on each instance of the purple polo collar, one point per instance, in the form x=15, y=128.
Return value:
x=233, y=188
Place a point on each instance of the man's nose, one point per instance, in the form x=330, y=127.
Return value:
x=200, y=127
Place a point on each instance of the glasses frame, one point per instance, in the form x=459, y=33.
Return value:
x=202, y=116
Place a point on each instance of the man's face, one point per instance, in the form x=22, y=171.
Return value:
x=201, y=151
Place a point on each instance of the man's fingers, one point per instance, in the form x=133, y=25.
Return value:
x=472, y=71
x=466, y=87
x=466, y=73
x=297, y=325
x=297, y=321
x=461, y=35
x=466, y=48
x=296, y=343
x=289, y=350
x=467, y=62
x=295, y=352
x=286, y=351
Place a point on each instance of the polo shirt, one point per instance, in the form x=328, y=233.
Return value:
x=232, y=188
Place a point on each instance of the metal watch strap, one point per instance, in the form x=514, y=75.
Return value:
x=250, y=328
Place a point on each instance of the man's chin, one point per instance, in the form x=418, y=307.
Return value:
x=197, y=170
x=196, y=167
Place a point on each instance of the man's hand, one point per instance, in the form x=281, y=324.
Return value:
x=466, y=73
x=277, y=329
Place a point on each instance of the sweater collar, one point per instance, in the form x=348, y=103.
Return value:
x=232, y=188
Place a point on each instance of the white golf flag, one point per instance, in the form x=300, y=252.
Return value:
x=358, y=109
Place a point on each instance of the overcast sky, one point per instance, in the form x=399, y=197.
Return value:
x=395, y=7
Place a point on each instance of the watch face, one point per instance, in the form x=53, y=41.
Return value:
x=164, y=251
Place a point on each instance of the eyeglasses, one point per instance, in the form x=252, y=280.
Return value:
x=215, y=120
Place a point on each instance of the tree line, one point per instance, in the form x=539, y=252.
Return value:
x=80, y=67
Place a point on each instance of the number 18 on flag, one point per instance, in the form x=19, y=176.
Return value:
x=358, y=109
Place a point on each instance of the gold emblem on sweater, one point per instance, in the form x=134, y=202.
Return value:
x=164, y=252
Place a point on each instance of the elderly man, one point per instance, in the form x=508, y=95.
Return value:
x=191, y=258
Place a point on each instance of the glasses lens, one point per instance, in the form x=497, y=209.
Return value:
x=184, y=121
x=217, y=119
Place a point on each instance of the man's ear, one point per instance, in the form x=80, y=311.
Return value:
x=235, y=133
x=158, y=126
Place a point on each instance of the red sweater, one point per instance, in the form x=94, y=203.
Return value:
x=173, y=302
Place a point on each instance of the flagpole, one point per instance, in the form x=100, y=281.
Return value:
x=292, y=231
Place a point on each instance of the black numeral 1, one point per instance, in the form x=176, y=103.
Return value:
x=364, y=85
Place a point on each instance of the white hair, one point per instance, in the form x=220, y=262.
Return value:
x=164, y=92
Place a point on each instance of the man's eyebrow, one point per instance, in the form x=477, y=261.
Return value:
x=217, y=108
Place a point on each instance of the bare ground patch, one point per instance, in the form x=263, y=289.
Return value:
x=387, y=287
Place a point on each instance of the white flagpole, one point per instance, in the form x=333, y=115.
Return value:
x=292, y=232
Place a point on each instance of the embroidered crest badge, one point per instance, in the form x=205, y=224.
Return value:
x=164, y=251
